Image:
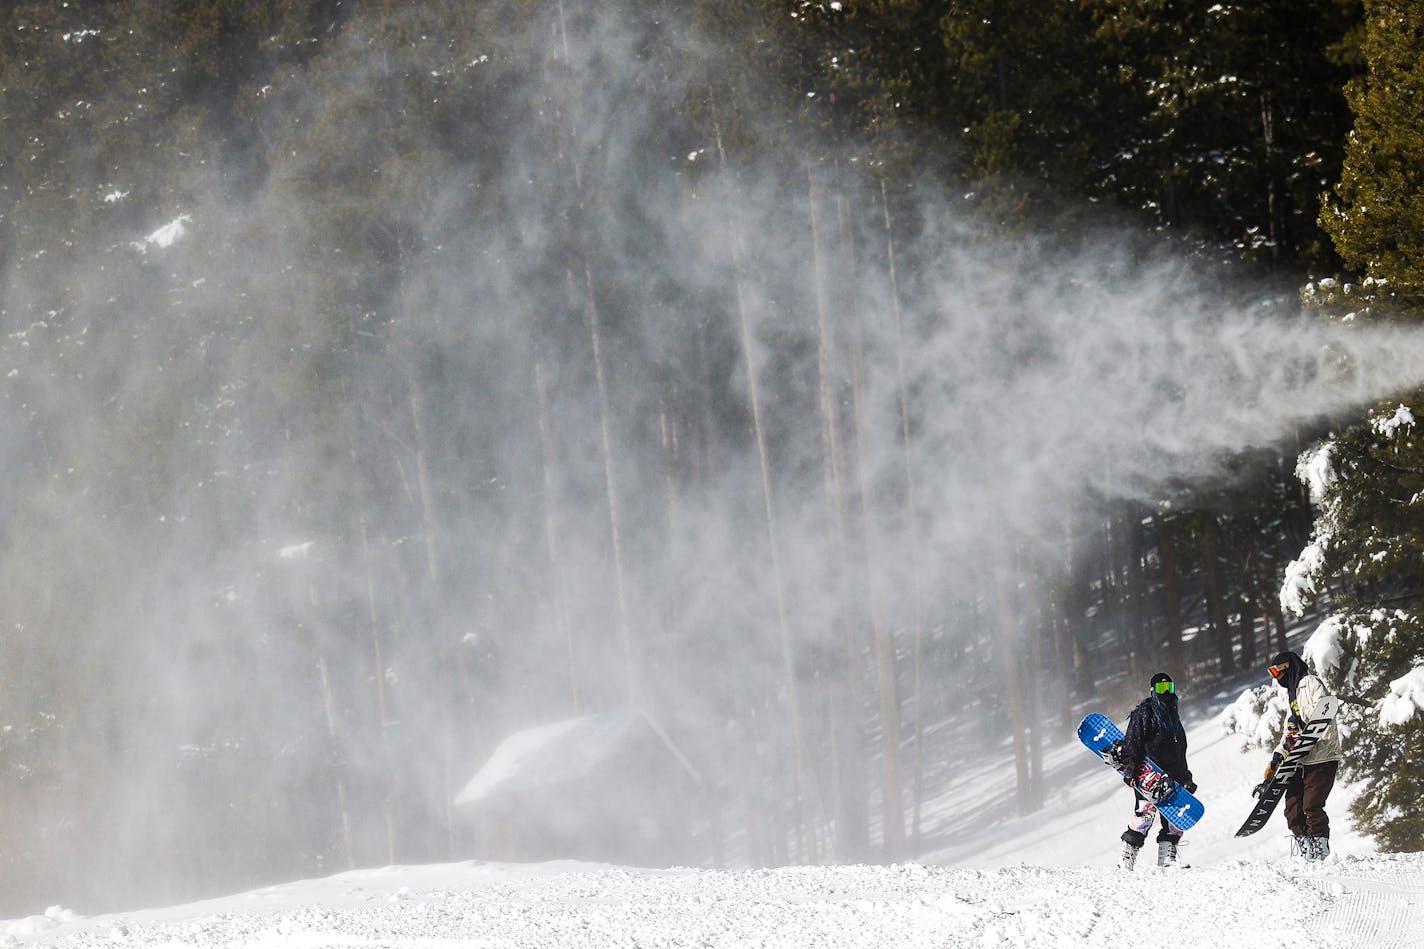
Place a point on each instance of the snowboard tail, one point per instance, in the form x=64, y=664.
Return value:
x=1179, y=806
x=1290, y=766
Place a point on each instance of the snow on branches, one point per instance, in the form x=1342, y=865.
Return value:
x=1389, y=426
x=1257, y=716
x=1302, y=577
x=1406, y=696
x=1316, y=470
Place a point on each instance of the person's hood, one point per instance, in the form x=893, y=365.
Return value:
x=1297, y=670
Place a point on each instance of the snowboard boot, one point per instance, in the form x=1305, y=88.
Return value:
x=1167, y=853
x=1316, y=848
x=1132, y=841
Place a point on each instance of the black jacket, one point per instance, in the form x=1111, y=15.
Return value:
x=1154, y=730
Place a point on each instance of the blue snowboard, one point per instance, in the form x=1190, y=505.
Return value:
x=1173, y=801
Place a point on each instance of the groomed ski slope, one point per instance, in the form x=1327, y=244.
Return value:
x=1355, y=902
x=1047, y=880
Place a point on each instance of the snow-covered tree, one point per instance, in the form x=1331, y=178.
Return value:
x=1367, y=483
x=1368, y=480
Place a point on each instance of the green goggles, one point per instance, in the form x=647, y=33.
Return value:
x=1163, y=687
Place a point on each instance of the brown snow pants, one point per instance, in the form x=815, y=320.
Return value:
x=1305, y=799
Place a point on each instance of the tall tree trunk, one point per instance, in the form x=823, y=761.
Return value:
x=912, y=520
x=670, y=440
x=1062, y=646
x=378, y=664
x=1171, y=592
x=851, y=807
x=328, y=704
x=893, y=815
x=1034, y=711
x=562, y=629
x=622, y=622
x=343, y=807
x=833, y=474
x=1215, y=599
x=610, y=485
x=1274, y=212
x=1075, y=590
x=788, y=654
x=1248, y=633
x=707, y=455
x=429, y=521
x=851, y=804
x=1006, y=625
x=1137, y=594
x=917, y=605
x=1275, y=615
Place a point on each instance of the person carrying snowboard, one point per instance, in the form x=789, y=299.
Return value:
x=1306, y=792
x=1154, y=730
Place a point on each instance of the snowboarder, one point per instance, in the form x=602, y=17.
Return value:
x=1154, y=730
x=1305, y=793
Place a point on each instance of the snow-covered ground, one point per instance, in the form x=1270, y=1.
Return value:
x=1372, y=901
x=1046, y=880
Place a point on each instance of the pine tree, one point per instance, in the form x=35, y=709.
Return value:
x=1376, y=217
x=1238, y=118
x=1369, y=479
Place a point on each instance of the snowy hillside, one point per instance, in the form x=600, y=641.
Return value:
x=1045, y=880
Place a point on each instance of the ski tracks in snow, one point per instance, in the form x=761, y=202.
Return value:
x=1380, y=906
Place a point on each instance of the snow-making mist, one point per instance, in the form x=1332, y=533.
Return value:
x=547, y=403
